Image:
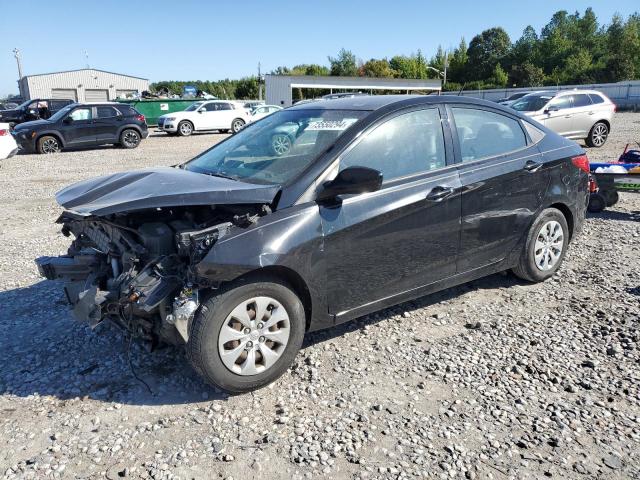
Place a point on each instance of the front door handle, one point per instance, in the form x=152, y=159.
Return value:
x=532, y=166
x=439, y=193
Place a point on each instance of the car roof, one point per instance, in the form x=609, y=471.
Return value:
x=374, y=102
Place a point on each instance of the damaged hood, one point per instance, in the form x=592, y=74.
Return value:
x=158, y=187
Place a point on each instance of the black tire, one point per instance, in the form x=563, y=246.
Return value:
x=527, y=269
x=598, y=135
x=130, y=138
x=203, y=349
x=185, y=128
x=48, y=144
x=597, y=202
x=611, y=197
x=237, y=125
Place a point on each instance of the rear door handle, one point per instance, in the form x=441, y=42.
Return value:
x=439, y=193
x=532, y=166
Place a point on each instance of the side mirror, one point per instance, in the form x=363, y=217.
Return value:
x=202, y=110
x=552, y=108
x=68, y=120
x=352, y=180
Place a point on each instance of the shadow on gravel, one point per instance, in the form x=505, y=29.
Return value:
x=45, y=352
x=617, y=216
x=490, y=282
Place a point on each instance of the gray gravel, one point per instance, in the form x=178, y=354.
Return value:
x=494, y=379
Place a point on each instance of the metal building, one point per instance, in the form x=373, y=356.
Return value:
x=279, y=87
x=85, y=85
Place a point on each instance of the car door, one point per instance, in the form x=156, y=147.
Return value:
x=77, y=127
x=558, y=116
x=582, y=115
x=503, y=181
x=224, y=115
x=107, y=121
x=382, y=244
x=207, y=117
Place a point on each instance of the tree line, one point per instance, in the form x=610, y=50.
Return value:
x=569, y=49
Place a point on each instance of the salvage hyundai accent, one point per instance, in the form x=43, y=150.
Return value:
x=313, y=216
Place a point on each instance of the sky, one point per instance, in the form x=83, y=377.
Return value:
x=191, y=40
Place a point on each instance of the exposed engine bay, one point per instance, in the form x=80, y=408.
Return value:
x=136, y=269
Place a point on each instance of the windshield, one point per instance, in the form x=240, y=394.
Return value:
x=531, y=103
x=60, y=113
x=277, y=148
x=193, y=106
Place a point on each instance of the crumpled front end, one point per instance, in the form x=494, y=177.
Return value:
x=137, y=269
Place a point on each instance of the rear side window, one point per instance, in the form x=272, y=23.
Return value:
x=405, y=145
x=581, y=100
x=595, y=98
x=106, y=112
x=210, y=107
x=224, y=106
x=127, y=110
x=484, y=134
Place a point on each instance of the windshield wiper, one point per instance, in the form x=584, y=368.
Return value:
x=221, y=175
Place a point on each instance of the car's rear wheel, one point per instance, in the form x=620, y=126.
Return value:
x=611, y=196
x=280, y=144
x=545, y=247
x=247, y=335
x=237, y=125
x=130, y=138
x=185, y=128
x=48, y=144
x=598, y=135
x=597, y=202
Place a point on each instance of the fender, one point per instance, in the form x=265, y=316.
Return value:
x=291, y=238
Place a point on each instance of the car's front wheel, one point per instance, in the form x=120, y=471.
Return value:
x=247, y=334
x=130, y=138
x=598, y=135
x=545, y=247
x=185, y=128
x=237, y=125
x=48, y=144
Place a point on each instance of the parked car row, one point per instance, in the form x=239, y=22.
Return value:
x=575, y=114
x=220, y=115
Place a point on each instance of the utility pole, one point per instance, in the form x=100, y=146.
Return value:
x=446, y=62
x=259, y=83
x=16, y=53
x=86, y=56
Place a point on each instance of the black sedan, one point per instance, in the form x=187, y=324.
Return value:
x=239, y=252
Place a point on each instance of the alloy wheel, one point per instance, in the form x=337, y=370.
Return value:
x=281, y=144
x=237, y=126
x=185, y=128
x=549, y=245
x=599, y=135
x=131, y=139
x=50, y=145
x=254, y=336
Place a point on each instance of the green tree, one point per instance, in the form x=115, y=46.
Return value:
x=486, y=50
x=377, y=68
x=246, y=88
x=458, y=62
x=310, y=69
x=526, y=75
x=344, y=65
x=499, y=78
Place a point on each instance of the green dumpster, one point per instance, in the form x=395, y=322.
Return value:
x=154, y=107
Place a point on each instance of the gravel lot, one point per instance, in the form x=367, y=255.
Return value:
x=494, y=379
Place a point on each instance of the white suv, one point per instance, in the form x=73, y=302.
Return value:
x=575, y=114
x=205, y=115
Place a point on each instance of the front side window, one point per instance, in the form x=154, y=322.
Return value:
x=483, y=134
x=405, y=145
x=276, y=149
x=531, y=103
x=560, y=103
x=193, y=107
x=81, y=114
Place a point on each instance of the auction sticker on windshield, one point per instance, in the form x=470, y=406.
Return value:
x=331, y=124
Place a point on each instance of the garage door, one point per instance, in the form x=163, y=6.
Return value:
x=126, y=93
x=96, y=95
x=64, y=94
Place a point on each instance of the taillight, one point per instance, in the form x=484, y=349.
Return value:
x=582, y=162
x=140, y=118
x=4, y=132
